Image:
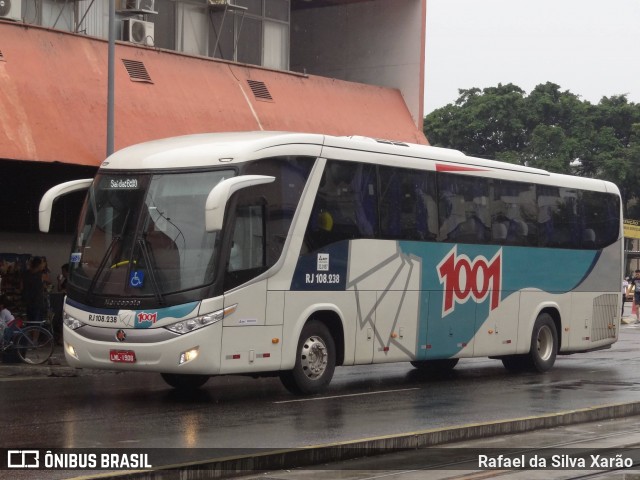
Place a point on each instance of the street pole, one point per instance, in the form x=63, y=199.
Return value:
x=111, y=76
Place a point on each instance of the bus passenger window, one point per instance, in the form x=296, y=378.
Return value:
x=408, y=210
x=513, y=213
x=346, y=205
x=558, y=217
x=600, y=216
x=463, y=209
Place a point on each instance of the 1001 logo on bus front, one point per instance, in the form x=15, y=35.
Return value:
x=463, y=278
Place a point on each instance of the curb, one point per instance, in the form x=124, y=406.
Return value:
x=286, y=459
x=9, y=371
x=56, y=367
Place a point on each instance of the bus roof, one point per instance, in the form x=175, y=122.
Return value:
x=208, y=149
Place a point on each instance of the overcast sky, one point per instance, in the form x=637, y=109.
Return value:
x=589, y=47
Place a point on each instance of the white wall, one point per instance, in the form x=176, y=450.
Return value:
x=378, y=42
x=53, y=246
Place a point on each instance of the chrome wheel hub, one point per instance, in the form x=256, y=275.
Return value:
x=545, y=343
x=313, y=357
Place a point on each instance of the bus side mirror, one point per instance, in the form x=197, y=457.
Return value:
x=46, y=203
x=220, y=194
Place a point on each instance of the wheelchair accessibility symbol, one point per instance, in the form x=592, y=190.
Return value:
x=136, y=279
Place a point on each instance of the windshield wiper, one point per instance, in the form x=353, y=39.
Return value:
x=103, y=263
x=142, y=242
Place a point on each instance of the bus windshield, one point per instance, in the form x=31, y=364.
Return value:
x=144, y=234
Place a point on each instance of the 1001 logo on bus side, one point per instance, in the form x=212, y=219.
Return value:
x=463, y=279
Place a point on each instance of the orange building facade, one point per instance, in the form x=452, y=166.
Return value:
x=343, y=68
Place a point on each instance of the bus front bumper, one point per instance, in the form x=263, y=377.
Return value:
x=197, y=352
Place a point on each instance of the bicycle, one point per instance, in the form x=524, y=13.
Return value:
x=33, y=343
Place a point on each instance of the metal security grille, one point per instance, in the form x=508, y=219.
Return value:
x=137, y=71
x=259, y=89
x=605, y=310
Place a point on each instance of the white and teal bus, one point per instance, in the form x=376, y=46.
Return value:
x=289, y=254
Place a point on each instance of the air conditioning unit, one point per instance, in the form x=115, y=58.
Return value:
x=11, y=9
x=138, y=5
x=137, y=31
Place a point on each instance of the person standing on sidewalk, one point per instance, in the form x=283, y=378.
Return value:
x=636, y=294
x=625, y=286
x=33, y=290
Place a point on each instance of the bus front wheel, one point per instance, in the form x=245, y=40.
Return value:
x=181, y=381
x=315, y=360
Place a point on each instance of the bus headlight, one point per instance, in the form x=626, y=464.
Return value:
x=71, y=322
x=186, y=326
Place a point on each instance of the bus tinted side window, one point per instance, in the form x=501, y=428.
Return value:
x=346, y=205
x=263, y=216
x=558, y=217
x=463, y=208
x=514, y=213
x=408, y=209
x=600, y=217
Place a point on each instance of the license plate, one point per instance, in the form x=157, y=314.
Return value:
x=122, y=356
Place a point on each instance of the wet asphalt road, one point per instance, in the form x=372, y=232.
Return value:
x=231, y=414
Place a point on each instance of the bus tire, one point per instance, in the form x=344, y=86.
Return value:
x=436, y=366
x=184, y=382
x=315, y=361
x=544, y=344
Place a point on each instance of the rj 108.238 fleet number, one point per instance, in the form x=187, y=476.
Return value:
x=103, y=318
x=322, y=278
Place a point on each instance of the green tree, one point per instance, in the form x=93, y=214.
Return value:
x=549, y=128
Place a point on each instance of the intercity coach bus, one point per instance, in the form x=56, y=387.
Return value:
x=289, y=254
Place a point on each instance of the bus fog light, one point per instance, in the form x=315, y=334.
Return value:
x=189, y=355
x=71, y=351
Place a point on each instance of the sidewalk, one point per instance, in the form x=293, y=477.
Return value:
x=56, y=366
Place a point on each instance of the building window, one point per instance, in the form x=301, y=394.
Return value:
x=192, y=28
x=258, y=35
x=275, y=51
x=51, y=14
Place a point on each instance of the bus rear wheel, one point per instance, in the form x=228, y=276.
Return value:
x=181, y=381
x=542, y=351
x=315, y=361
x=544, y=344
x=436, y=366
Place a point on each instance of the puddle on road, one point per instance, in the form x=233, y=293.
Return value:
x=599, y=386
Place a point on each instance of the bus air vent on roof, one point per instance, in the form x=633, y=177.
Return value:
x=137, y=71
x=259, y=89
x=391, y=142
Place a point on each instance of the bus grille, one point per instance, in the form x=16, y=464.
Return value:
x=605, y=308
